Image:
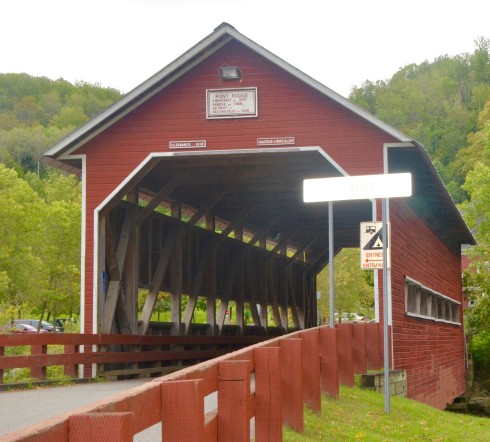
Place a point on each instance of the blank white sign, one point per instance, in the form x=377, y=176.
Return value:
x=357, y=187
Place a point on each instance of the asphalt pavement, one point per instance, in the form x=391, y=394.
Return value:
x=21, y=408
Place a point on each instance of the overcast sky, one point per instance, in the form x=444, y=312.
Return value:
x=120, y=43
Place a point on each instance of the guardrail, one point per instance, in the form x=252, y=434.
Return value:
x=288, y=372
x=116, y=355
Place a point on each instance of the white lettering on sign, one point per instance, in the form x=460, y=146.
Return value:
x=231, y=103
x=278, y=141
x=193, y=144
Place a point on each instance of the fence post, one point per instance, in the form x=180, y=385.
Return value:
x=312, y=394
x=292, y=383
x=359, y=348
x=70, y=369
x=234, y=401
x=344, y=350
x=107, y=427
x=2, y=353
x=182, y=411
x=329, y=361
x=268, y=420
x=38, y=372
x=373, y=354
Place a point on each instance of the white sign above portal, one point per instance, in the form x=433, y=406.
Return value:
x=231, y=103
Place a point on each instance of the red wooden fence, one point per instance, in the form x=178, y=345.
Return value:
x=289, y=371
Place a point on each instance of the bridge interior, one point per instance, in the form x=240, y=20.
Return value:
x=220, y=227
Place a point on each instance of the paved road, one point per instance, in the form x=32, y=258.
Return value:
x=21, y=408
x=25, y=407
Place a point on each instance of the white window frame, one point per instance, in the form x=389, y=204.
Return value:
x=424, y=303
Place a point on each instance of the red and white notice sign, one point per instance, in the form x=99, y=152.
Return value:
x=372, y=246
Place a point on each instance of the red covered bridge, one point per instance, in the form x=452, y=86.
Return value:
x=192, y=185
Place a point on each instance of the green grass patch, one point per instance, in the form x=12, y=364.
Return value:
x=359, y=415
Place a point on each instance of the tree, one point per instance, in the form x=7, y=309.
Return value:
x=58, y=243
x=352, y=286
x=19, y=222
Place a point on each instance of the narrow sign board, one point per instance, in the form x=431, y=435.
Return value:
x=372, y=246
x=277, y=141
x=190, y=144
x=357, y=187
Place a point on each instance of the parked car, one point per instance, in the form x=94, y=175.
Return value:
x=45, y=325
x=20, y=328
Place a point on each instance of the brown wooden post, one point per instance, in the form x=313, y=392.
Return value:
x=37, y=371
x=268, y=418
x=234, y=401
x=329, y=361
x=359, y=348
x=176, y=278
x=2, y=353
x=311, y=369
x=373, y=354
x=70, y=369
x=345, y=354
x=292, y=383
x=211, y=280
x=107, y=427
x=182, y=411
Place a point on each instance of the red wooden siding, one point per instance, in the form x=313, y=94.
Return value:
x=431, y=352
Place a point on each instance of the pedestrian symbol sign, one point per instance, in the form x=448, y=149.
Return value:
x=372, y=246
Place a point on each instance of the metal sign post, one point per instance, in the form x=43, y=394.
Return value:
x=331, y=264
x=384, y=203
x=362, y=187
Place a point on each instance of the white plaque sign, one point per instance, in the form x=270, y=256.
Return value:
x=231, y=103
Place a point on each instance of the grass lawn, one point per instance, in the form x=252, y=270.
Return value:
x=358, y=415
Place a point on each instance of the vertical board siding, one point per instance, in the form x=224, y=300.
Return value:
x=431, y=352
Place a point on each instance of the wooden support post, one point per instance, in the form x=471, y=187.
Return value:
x=234, y=401
x=373, y=354
x=345, y=354
x=268, y=418
x=2, y=353
x=38, y=372
x=292, y=383
x=329, y=365
x=163, y=261
x=183, y=411
x=116, y=270
x=359, y=348
x=197, y=282
x=107, y=427
x=128, y=310
x=311, y=369
x=176, y=278
x=271, y=290
x=70, y=369
x=240, y=302
x=211, y=298
x=103, y=276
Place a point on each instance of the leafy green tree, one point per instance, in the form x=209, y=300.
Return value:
x=476, y=211
x=58, y=244
x=19, y=222
x=353, y=287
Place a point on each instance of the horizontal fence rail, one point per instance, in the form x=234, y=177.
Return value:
x=170, y=352
x=288, y=372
